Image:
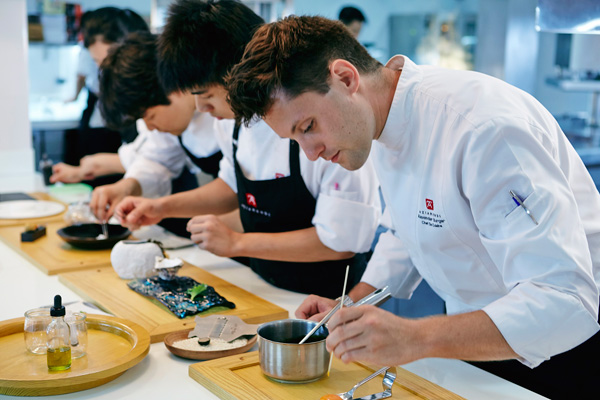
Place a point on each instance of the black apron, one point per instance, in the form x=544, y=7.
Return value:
x=570, y=375
x=283, y=205
x=209, y=164
x=188, y=181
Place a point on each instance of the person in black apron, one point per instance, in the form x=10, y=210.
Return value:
x=282, y=205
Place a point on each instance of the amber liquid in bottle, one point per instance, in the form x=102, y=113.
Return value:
x=59, y=359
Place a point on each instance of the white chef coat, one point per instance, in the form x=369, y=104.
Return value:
x=155, y=158
x=454, y=144
x=348, y=207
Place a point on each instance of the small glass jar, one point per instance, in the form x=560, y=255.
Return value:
x=36, y=322
x=79, y=333
x=79, y=213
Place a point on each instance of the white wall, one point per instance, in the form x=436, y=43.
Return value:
x=16, y=152
x=377, y=12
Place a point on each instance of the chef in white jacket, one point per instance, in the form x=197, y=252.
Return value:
x=488, y=200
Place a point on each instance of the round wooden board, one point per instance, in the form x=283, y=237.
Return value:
x=202, y=355
x=114, y=346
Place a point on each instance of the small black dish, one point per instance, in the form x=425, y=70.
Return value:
x=85, y=236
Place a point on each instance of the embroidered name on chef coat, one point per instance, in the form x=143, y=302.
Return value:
x=432, y=219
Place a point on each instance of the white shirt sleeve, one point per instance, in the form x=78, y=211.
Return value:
x=546, y=268
x=153, y=159
x=348, y=205
x=224, y=135
x=391, y=265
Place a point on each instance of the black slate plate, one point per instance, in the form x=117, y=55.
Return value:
x=84, y=236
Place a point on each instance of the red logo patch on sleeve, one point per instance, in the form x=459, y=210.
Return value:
x=429, y=204
x=251, y=200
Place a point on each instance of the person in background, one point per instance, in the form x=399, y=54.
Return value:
x=301, y=219
x=489, y=203
x=353, y=19
x=100, y=28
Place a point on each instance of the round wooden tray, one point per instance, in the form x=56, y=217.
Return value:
x=202, y=355
x=114, y=346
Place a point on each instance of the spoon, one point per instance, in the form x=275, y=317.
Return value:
x=104, y=234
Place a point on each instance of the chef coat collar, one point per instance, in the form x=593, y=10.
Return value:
x=394, y=133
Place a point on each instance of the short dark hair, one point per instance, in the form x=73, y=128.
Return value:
x=112, y=24
x=292, y=55
x=129, y=82
x=350, y=14
x=202, y=40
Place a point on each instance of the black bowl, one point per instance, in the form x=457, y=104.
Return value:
x=85, y=236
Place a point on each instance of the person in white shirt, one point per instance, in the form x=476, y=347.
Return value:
x=100, y=29
x=488, y=200
x=301, y=219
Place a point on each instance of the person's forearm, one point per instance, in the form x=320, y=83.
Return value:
x=360, y=290
x=79, y=85
x=300, y=246
x=129, y=187
x=215, y=197
x=471, y=336
x=108, y=163
x=232, y=220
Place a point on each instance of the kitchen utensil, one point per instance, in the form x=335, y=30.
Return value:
x=376, y=298
x=104, y=234
x=388, y=381
x=284, y=360
x=341, y=305
x=85, y=236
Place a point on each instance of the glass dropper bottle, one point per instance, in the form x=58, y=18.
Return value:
x=59, y=346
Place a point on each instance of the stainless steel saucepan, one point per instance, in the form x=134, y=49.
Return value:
x=284, y=359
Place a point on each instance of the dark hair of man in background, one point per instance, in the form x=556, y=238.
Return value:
x=201, y=42
x=350, y=14
x=278, y=57
x=129, y=81
x=111, y=24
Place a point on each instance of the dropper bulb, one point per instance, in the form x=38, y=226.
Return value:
x=57, y=301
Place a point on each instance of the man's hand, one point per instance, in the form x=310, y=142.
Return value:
x=66, y=173
x=372, y=335
x=106, y=198
x=213, y=235
x=134, y=212
x=315, y=308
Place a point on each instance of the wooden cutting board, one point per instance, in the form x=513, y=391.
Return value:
x=43, y=220
x=104, y=287
x=239, y=378
x=50, y=253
